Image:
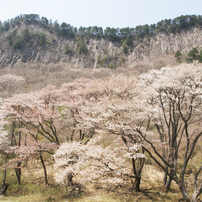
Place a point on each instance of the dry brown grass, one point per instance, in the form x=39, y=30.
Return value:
x=33, y=189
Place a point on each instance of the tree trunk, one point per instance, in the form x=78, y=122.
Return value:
x=25, y=143
x=198, y=190
x=44, y=168
x=72, y=135
x=137, y=183
x=196, y=193
x=184, y=191
x=18, y=172
x=165, y=178
x=170, y=178
x=4, y=185
x=81, y=135
x=13, y=140
x=194, y=197
x=69, y=183
x=168, y=184
x=172, y=168
x=69, y=179
x=19, y=139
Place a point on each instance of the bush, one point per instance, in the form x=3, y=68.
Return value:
x=123, y=60
x=25, y=35
x=67, y=49
x=124, y=48
x=18, y=43
x=11, y=37
x=178, y=56
x=103, y=61
x=199, y=57
x=98, y=59
x=112, y=66
x=82, y=48
x=194, y=55
x=42, y=38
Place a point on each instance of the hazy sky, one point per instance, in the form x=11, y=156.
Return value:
x=103, y=13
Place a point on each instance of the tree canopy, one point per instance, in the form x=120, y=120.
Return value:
x=113, y=34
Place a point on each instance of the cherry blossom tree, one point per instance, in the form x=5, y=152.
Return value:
x=29, y=151
x=168, y=99
x=36, y=111
x=88, y=162
x=4, y=141
x=108, y=106
x=37, y=115
x=174, y=105
x=41, y=114
x=72, y=99
x=4, y=144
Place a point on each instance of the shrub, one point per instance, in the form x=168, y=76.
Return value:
x=11, y=37
x=194, y=54
x=178, y=56
x=25, y=35
x=98, y=59
x=82, y=48
x=67, y=49
x=42, y=38
x=123, y=60
x=18, y=43
x=124, y=48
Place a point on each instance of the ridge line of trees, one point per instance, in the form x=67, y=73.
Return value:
x=113, y=34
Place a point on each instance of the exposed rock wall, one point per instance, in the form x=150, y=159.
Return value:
x=53, y=51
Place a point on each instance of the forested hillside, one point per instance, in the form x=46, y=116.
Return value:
x=33, y=39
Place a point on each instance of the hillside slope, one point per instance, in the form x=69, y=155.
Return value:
x=44, y=47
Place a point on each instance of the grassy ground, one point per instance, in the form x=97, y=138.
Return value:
x=33, y=189
x=48, y=194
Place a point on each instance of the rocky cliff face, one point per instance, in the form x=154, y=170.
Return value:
x=100, y=52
